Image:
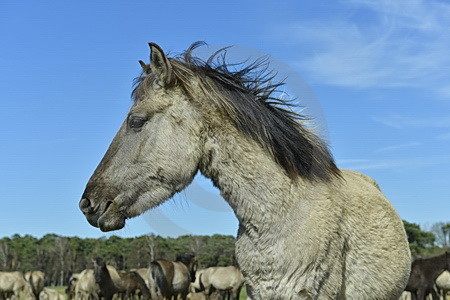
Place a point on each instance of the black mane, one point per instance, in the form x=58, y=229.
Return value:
x=249, y=96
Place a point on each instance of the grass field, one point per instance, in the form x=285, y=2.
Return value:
x=59, y=289
x=243, y=294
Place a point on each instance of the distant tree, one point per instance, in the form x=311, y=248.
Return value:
x=442, y=232
x=152, y=245
x=5, y=257
x=418, y=239
x=61, y=250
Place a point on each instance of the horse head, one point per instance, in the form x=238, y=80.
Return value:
x=154, y=155
x=191, y=262
x=99, y=269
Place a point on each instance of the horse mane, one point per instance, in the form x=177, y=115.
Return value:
x=249, y=95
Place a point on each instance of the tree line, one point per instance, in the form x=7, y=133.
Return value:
x=59, y=256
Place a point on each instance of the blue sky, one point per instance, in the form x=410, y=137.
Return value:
x=380, y=71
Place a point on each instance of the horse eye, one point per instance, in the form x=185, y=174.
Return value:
x=136, y=122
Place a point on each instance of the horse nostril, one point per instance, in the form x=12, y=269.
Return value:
x=85, y=205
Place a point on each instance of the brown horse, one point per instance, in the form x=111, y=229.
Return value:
x=132, y=285
x=424, y=272
x=107, y=278
x=169, y=279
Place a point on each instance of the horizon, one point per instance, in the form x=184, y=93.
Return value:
x=373, y=74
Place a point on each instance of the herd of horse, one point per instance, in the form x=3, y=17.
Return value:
x=180, y=279
x=163, y=279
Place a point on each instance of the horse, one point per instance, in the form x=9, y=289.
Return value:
x=443, y=283
x=85, y=286
x=424, y=272
x=36, y=280
x=107, y=278
x=70, y=289
x=14, y=284
x=124, y=284
x=160, y=278
x=169, y=279
x=307, y=229
x=228, y=279
x=132, y=284
x=142, y=273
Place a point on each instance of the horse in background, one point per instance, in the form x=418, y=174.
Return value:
x=70, y=289
x=36, y=280
x=107, y=278
x=131, y=285
x=169, y=279
x=14, y=284
x=443, y=283
x=142, y=273
x=424, y=272
x=124, y=284
x=228, y=279
x=86, y=287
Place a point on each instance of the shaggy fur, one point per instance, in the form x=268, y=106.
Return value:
x=249, y=97
x=304, y=233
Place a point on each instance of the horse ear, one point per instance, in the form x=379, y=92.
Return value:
x=160, y=65
x=145, y=67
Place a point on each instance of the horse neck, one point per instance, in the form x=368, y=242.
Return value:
x=105, y=277
x=442, y=265
x=255, y=186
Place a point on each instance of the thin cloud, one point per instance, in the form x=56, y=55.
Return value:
x=413, y=163
x=404, y=46
x=397, y=147
x=349, y=161
x=399, y=122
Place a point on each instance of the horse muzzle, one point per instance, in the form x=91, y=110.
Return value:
x=103, y=215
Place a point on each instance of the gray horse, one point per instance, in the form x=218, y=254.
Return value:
x=14, y=285
x=85, y=286
x=307, y=230
x=36, y=280
x=228, y=279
